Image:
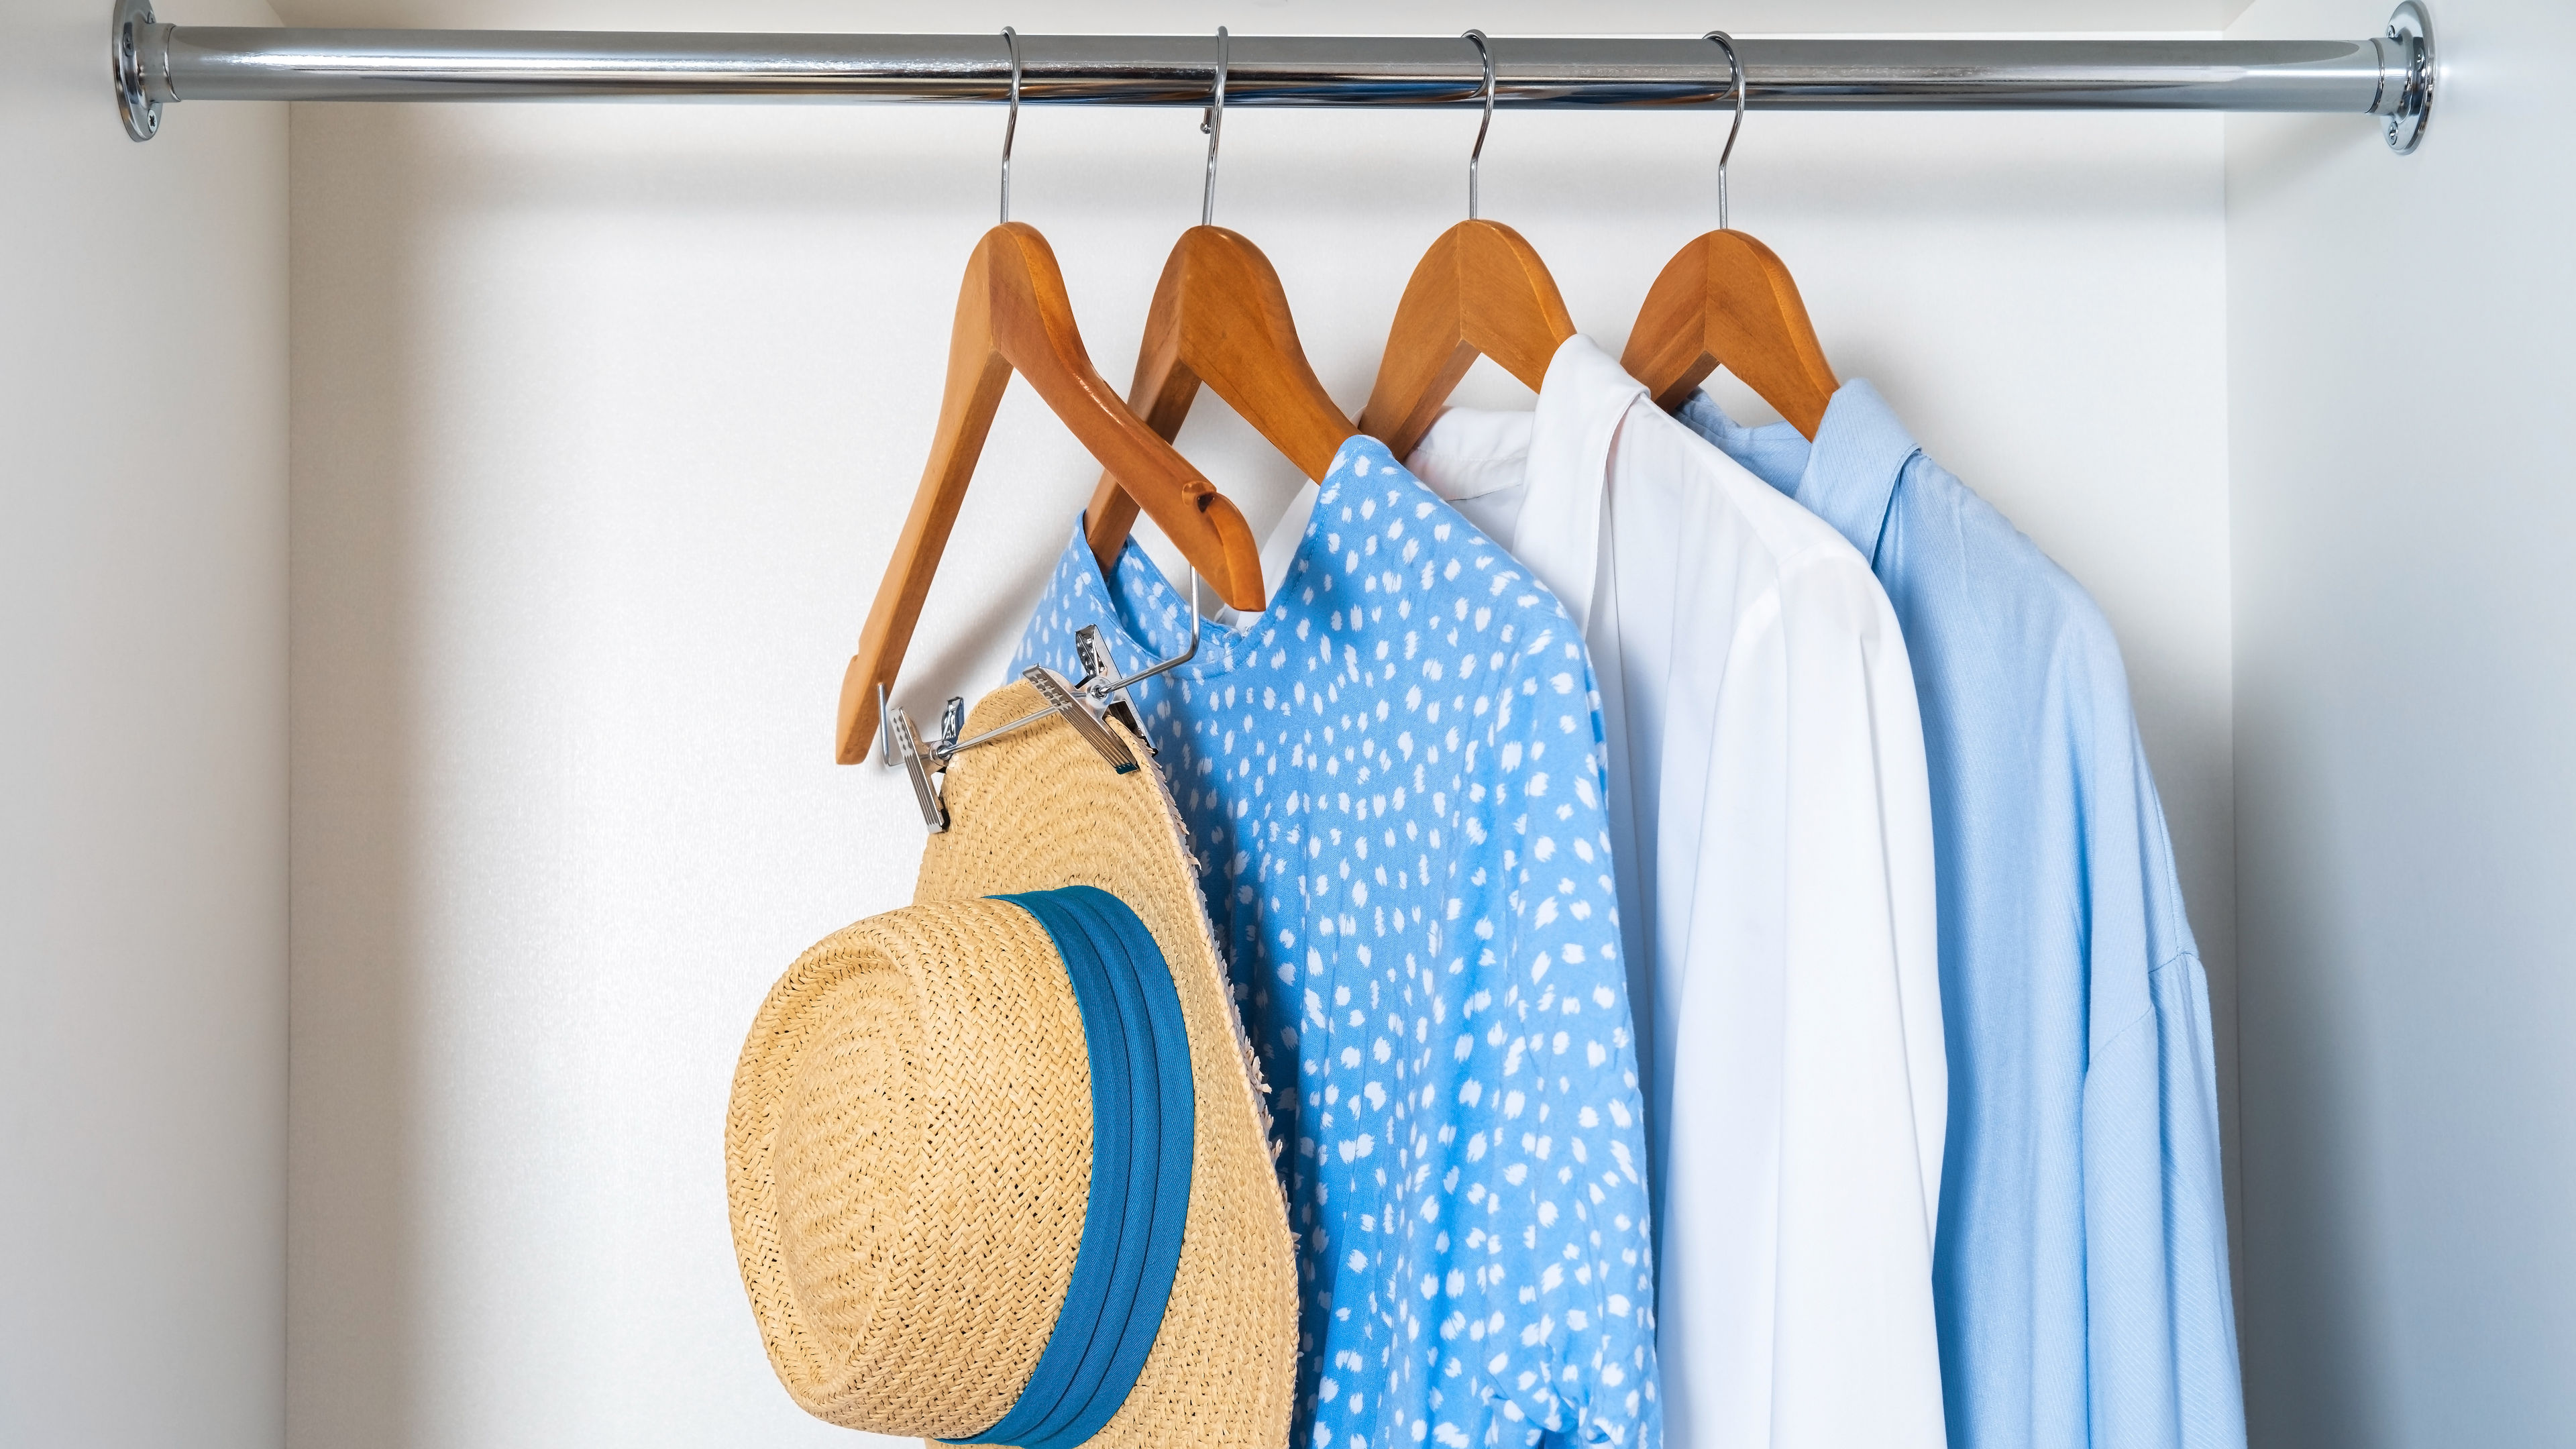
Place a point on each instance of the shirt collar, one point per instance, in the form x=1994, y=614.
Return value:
x=1559, y=454
x=1581, y=403
x=1846, y=477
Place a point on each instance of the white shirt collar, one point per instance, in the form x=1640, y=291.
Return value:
x=1473, y=453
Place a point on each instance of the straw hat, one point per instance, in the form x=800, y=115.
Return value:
x=910, y=1144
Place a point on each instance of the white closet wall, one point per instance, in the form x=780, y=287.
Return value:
x=2405, y=500
x=143, y=718
x=605, y=421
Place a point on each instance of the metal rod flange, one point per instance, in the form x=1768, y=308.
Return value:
x=2410, y=30
x=132, y=36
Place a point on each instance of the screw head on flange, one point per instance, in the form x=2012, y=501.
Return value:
x=2412, y=29
x=125, y=64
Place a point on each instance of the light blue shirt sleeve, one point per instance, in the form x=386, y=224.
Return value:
x=2161, y=1330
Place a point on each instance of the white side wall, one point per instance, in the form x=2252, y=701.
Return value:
x=143, y=715
x=2400, y=384
x=605, y=420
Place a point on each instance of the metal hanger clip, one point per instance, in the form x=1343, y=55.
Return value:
x=1087, y=704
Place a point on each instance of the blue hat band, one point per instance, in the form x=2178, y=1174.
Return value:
x=1144, y=1104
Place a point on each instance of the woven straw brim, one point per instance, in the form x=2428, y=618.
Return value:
x=908, y=1147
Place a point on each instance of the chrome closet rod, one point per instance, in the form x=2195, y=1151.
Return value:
x=2379, y=76
x=215, y=63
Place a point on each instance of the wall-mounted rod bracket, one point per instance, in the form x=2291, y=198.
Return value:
x=2388, y=76
x=138, y=57
x=2410, y=31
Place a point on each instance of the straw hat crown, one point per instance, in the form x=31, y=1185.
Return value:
x=910, y=1143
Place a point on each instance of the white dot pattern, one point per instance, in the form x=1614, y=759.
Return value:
x=1393, y=785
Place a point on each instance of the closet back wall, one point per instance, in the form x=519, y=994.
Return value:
x=605, y=419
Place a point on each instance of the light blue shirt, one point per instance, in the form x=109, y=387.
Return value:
x=1392, y=781
x=2080, y=1274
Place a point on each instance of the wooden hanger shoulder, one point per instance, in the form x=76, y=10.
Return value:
x=1220, y=318
x=1013, y=315
x=1480, y=290
x=1727, y=300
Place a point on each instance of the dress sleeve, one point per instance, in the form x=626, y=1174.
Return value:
x=1552, y=1327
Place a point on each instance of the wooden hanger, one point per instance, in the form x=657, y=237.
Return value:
x=1013, y=315
x=1728, y=300
x=1220, y=318
x=1481, y=289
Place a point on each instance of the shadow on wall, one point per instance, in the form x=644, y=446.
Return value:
x=1069, y=164
x=363, y=923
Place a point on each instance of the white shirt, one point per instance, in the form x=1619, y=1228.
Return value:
x=1772, y=835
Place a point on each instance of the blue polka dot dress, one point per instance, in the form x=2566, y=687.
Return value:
x=1393, y=785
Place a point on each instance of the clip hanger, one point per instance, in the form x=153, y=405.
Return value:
x=1087, y=704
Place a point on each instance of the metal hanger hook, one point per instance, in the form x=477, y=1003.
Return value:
x=1735, y=87
x=1011, y=127
x=1103, y=688
x=1213, y=123
x=1477, y=155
